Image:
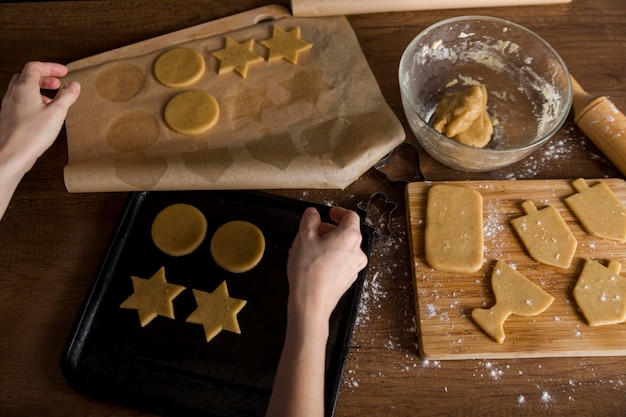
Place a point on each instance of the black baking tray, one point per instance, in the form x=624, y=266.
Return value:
x=168, y=367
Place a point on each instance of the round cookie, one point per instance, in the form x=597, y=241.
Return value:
x=179, y=67
x=191, y=112
x=238, y=246
x=179, y=229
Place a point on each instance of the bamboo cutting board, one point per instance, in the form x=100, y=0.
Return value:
x=444, y=301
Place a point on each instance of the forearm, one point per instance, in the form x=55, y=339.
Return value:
x=299, y=385
x=11, y=172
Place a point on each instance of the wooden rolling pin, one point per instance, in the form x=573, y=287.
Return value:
x=602, y=122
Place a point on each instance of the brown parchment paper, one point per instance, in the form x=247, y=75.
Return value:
x=319, y=123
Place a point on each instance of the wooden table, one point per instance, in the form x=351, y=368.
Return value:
x=52, y=240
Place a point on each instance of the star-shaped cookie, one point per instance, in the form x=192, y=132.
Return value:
x=287, y=45
x=236, y=57
x=152, y=297
x=216, y=311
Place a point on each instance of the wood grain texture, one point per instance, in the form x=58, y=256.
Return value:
x=444, y=301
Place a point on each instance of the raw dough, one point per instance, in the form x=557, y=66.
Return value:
x=287, y=45
x=216, y=311
x=453, y=237
x=237, y=246
x=120, y=82
x=179, y=67
x=463, y=117
x=599, y=210
x=601, y=293
x=179, y=229
x=515, y=294
x=191, y=112
x=236, y=57
x=545, y=235
x=152, y=297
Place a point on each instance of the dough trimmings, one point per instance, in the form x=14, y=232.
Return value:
x=236, y=57
x=152, y=297
x=453, y=236
x=545, y=235
x=216, y=311
x=285, y=44
x=600, y=292
x=179, y=67
x=463, y=117
x=598, y=210
x=515, y=294
x=179, y=229
x=238, y=246
x=191, y=112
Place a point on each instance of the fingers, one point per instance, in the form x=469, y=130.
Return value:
x=67, y=95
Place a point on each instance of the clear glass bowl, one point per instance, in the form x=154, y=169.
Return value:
x=530, y=92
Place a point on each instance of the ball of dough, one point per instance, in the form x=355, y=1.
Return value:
x=238, y=246
x=179, y=229
x=191, y=112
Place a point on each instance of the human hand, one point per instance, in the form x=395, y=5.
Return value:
x=30, y=121
x=324, y=261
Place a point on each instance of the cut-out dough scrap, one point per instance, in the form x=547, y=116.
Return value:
x=515, y=294
x=600, y=292
x=598, y=210
x=236, y=57
x=216, y=311
x=179, y=229
x=152, y=297
x=238, y=246
x=545, y=235
x=453, y=236
x=192, y=112
x=285, y=44
x=179, y=67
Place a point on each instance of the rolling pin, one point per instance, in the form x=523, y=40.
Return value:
x=602, y=122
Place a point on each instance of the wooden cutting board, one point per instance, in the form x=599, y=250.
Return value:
x=444, y=301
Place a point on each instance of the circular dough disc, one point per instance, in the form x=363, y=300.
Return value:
x=191, y=112
x=179, y=229
x=179, y=67
x=238, y=246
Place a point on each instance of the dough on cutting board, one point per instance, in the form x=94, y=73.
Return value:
x=238, y=246
x=599, y=210
x=179, y=67
x=545, y=235
x=216, y=311
x=236, y=57
x=515, y=294
x=600, y=292
x=191, y=112
x=453, y=236
x=285, y=44
x=463, y=117
x=152, y=297
x=179, y=229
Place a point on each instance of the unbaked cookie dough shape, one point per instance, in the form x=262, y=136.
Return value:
x=152, y=297
x=192, y=112
x=515, y=294
x=285, y=44
x=178, y=229
x=598, y=210
x=600, y=293
x=453, y=235
x=236, y=57
x=238, y=246
x=216, y=311
x=179, y=67
x=545, y=235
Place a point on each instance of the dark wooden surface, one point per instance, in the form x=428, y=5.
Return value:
x=51, y=241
